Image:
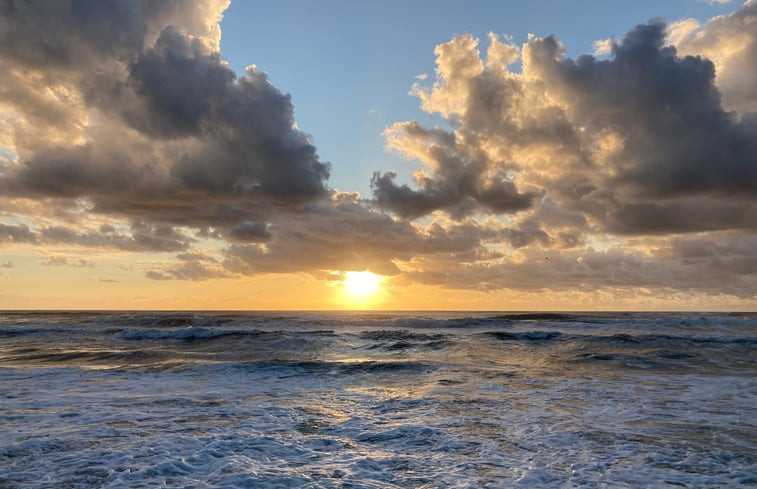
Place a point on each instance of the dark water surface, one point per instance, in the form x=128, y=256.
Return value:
x=377, y=400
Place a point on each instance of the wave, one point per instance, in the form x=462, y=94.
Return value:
x=200, y=334
x=536, y=316
x=168, y=361
x=647, y=340
x=11, y=332
x=184, y=334
x=622, y=339
x=17, y=321
x=530, y=336
x=323, y=367
x=625, y=361
x=111, y=357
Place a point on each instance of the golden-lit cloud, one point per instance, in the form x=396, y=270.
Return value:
x=125, y=132
x=730, y=42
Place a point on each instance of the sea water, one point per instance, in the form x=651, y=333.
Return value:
x=377, y=400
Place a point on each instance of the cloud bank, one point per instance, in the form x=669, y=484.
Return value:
x=123, y=128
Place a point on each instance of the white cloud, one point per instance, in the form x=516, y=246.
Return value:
x=729, y=41
x=603, y=46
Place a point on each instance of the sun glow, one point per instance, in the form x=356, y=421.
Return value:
x=361, y=286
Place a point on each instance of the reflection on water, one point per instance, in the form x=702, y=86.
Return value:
x=380, y=400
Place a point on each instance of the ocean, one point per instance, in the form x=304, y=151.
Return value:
x=369, y=400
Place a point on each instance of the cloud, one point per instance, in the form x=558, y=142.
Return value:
x=248, y=231
x=59, y=261
x=138, y=114
x=730, y=41
x=460, y=185
x=194, y=266
x=593, y=270
x=143, y=237
x=349, y=235
x=471, y=169
x=638, y=149
x=680, y=152
x=194, y=271
x=123, y=128
x=638, y=143
x=460, y=176
x=59, y=54
x=603, y=46
x=18, y=233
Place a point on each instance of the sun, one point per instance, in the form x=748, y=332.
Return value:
x=361, y=286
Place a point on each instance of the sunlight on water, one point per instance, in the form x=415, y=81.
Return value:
x=426, y=400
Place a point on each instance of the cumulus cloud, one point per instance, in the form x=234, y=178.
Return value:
x=130, y=106
x=730, y=41
x=651, y=143
x=677, y=150
x=122, y=127
x=163, y=146
x=638, y=143
x=460, y=175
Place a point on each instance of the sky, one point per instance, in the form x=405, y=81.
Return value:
x=418, y=155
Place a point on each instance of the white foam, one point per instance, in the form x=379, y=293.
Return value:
x=352, y=408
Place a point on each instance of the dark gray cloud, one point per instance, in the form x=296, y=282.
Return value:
x=460, y=196
x=348, y=235
x=60, y=52
x=248, y=231
x=142, y=237
x=462, y=183
x=180, y=140
x=70, y=34
x=729, y=253
x=678, y=141
x=700, y=265
x=139, y=237
x=18, y=233
x=246, y=123
x=675, y=216
x=179, y=82
x=683, y=164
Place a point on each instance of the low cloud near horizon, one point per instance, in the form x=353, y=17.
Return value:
x=122, y=128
